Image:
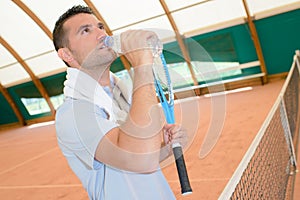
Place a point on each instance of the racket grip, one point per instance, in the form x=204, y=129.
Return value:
x=181, y=169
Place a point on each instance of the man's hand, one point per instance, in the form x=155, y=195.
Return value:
x=175, y=134
x=136, y=48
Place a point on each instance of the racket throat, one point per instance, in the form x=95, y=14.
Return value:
x=168, y=108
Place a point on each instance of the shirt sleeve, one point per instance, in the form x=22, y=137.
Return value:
x=80, y=126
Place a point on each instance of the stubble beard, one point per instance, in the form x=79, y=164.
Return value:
x=98, y=61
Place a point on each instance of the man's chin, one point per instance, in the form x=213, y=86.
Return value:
x=99, y=60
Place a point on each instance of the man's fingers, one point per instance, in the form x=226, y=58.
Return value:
x=173, y=128
x=178, y=135
x=174, y=133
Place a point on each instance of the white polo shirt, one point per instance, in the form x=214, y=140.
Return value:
x=80, y=125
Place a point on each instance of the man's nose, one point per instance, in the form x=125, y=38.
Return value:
x=101, y=34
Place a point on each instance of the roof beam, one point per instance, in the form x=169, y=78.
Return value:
x=180, y=41
x=108, y=30
x=256, y=42
x=33, y=17
x=34, y=79
x=12, y=104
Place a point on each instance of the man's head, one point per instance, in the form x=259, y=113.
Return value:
x=60, y=39
x=76, y=36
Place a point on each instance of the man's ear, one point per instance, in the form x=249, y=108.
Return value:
x=65, y=55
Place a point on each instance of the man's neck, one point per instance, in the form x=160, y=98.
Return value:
x=104, y=80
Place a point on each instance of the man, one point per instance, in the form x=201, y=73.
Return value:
x=111, y=136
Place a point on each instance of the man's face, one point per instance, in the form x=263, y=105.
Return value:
x=84, y=33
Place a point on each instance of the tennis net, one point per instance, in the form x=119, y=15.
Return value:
x=268, y=168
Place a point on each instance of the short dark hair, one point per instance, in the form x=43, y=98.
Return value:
x=59, y=34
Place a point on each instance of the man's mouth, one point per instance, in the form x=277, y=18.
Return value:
x=101, y=44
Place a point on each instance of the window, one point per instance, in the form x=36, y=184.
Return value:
x=204, y=71
x=36, y=106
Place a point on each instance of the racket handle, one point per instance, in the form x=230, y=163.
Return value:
x=181, y=169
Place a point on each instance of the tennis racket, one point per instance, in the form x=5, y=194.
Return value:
x=163, y=76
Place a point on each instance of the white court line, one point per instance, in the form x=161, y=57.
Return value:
x=27, y=161
x=203, y=180
x=39, y=186
x=4, y=144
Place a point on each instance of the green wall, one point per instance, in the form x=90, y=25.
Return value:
x=280, y=37
x=7, y=115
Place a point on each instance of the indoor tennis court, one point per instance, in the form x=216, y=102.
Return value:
x=33, y=167
x=237, y=94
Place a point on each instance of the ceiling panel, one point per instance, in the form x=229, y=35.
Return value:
x=45, y=64
x=175, y=5
x=49, y=11
x=13, y=74
x=120, y=13
x=160, y=25
x=207, y=14
x=256, y=6
x=6, y=58
x=22, y=33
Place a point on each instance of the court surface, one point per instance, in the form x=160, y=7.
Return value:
x=32, y=166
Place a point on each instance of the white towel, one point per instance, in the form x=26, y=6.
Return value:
x=80, y=85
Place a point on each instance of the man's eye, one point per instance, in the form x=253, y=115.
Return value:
x=101, y=26
x=85, y=30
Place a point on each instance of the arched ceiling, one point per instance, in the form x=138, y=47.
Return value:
x=27, y=52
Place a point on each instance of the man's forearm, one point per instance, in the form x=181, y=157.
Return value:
x=144, y=121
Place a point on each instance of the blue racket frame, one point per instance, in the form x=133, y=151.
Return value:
x=168, y=106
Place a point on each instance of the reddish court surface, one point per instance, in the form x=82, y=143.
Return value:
x=32, y=166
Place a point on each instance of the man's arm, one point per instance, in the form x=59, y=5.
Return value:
x=135, y=146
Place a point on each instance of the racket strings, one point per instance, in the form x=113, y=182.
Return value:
x=168, y=78
x=162, y=77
